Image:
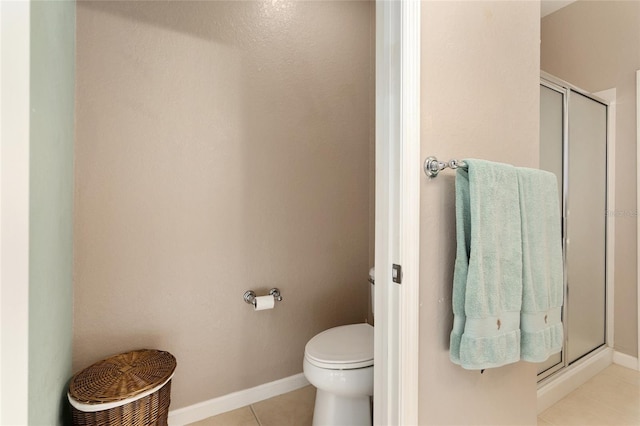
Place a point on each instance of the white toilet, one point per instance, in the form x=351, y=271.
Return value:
x=339, y=363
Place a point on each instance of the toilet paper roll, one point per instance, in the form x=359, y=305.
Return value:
x=264, y=302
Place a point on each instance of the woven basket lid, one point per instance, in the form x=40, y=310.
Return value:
x=122, y=376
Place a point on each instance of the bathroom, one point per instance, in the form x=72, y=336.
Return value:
x=215, y=153
x=225, y=153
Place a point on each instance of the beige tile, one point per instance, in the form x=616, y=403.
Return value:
x=579, y=410
x=240, y=417
x=290, y=409
x=543, y=422
x=621, y=373
x=614, y=393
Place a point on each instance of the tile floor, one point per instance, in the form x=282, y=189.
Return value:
x=290, y=409
x=611, y=398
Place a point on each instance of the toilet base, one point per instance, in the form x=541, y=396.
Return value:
x=335, y=410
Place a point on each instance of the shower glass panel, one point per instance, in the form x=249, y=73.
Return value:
x=551, y=133
x=551, y=158
x=586, y=224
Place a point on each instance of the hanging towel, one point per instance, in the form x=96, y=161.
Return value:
x=542, y=280
x=487, y=283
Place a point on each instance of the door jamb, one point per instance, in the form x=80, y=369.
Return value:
x=398, y=177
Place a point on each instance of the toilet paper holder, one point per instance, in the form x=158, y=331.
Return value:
x=250, y=296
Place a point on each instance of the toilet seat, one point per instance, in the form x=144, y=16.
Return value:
x=342, y=348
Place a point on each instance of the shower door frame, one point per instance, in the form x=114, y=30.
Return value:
x=606, y=98
x=565, y=160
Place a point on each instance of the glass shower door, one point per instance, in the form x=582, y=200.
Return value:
x=586, y=225
x=573, y=145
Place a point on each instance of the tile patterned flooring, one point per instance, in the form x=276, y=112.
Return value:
x=290, y=409
x=612, y=398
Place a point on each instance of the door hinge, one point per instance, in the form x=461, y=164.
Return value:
x=396, y=274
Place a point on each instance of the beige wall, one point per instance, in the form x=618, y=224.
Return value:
x=596, y=46
x=221, y=147
x=480, y=99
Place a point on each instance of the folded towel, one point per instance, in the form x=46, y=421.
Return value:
x=542, y=280
x=487, y=283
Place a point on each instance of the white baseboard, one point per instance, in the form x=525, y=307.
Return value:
x=625, y=360
x=235, y=400
x=557, y=387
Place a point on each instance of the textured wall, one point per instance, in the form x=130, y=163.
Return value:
x=596, y=46
x=221, y=147
x=50, y=208
x=480, y=99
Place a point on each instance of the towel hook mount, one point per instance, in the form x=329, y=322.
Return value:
x=432, y=166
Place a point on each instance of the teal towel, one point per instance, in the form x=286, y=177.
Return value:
x=542, y=280
x=487, y=283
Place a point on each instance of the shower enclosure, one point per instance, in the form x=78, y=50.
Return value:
x=573, y=145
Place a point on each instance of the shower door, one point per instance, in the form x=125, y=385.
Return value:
x=552, y=131
x=573, y=145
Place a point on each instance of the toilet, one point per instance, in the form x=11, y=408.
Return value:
x=339, y=363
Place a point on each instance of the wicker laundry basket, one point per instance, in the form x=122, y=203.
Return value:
x=132, y=389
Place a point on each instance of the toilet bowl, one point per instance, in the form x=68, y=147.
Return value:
x=339, y=363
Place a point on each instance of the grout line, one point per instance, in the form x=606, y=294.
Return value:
x=546, y=421
x=546, y=418
x=255, y=415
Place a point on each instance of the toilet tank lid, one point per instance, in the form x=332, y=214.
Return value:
x=342, y=345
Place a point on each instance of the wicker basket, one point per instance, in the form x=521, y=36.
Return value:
x=132, y=389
